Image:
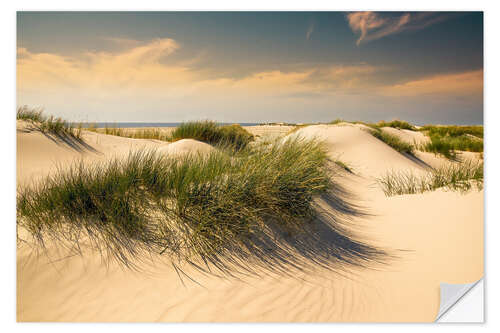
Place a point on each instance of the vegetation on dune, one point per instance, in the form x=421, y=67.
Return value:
x=189, y=207
x=393, y=141
x=336, y=121
x=453, y=130
x=401, y=124
x=56, y=126
x=209, y=132
x=447, y=145
x=30, y=114
x=454, y=176
x=446, y=140
x=145, y=133
x=394, y=123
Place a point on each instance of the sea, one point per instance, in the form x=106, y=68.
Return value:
x=143, y=124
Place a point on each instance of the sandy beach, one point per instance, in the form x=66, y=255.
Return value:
x=430, y=238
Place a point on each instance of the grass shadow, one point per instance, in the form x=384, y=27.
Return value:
x=72, y=142
x=326, y=241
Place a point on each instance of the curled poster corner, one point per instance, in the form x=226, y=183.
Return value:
x=450, y=294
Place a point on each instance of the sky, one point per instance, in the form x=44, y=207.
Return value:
x=422, y=67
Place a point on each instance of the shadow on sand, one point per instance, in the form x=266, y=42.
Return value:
x=326, y=241
x=62, y=138
x=72, y=142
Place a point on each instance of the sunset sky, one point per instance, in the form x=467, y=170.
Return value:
x=422, y=67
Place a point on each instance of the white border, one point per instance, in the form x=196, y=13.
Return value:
x=492, y=140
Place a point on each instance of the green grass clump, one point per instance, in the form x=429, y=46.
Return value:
x=52, y=125
x=448, y=145
x=209, y=132
x=446, y=140
x=393, y=141
x=336, y=121
x=396, y=124
x=457, y=177
x=453, y=130
x=25, y=113
x=188, y=207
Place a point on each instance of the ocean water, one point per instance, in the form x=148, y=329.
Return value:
x=141, y=124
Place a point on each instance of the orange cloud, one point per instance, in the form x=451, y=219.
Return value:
x=458, y=84
x=363, y=22
x=372, y=25
x=139, y=67
x=139, y=70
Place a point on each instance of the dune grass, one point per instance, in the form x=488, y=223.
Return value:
x=145, y=133
x=401, y=124
x=52, y=125
x=336, y=121
x=460, y=177
x=187, y=207
x=448, y=145
x=30, y=114
x=393, y=141
x=446, y=140
x=209, y=132
x=453, y=130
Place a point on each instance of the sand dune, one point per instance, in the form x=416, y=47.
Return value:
x=186, y=146
x=364, y=153
x=408, y=136
x=434, y=237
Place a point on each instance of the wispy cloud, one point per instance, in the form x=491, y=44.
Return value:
x=468, y=83
x=373, y=25
x=310, y=30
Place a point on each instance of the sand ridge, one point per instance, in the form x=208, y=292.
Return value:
x=363, y=152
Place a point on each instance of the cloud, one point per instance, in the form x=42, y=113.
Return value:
x=140, y=71
x=145, y=81
x=138, y=67
x=309, y=32
x=464, y=84
x=372, y=25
